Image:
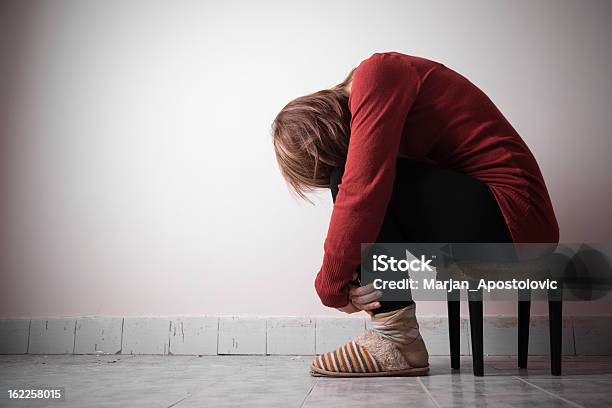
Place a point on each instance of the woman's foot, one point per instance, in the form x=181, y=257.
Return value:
x=393, y=347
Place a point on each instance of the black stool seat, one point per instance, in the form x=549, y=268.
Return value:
x=546, y=267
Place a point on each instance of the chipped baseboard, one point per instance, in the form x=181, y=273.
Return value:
x=212, y=335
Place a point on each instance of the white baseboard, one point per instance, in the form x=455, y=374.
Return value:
x=212, y=335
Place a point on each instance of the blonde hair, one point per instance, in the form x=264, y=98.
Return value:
x=311, y=135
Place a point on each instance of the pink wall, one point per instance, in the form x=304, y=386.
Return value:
x=137, y=172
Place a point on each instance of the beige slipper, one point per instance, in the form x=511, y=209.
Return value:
x=371, y=355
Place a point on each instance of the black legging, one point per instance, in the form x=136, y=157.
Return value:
x=430, y=203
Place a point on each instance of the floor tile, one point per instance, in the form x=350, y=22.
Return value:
x=242, y=335
x=52, y=336
x=98, y=335
x=291, y=335
x=284, y=381
x=194, y=335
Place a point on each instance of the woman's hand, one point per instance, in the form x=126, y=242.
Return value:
x=362, y=298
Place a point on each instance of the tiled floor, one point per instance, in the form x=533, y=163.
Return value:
x=275, y=381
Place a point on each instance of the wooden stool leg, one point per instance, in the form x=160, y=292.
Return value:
x=555, y=317
x=476, y=331
x=454, y=330
x=555, y=322
x=524, y=311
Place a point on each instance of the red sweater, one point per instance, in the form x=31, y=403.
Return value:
x=403, y=105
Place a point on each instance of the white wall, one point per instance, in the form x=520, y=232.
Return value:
x=138, y=176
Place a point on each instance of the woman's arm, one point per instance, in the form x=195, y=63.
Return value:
x=383, y=90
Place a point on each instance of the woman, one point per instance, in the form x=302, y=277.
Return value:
x=412, y=152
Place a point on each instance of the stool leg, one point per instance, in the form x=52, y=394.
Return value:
x=475, y=305
x=454, y=330
x=555, y=316
x=524, y=310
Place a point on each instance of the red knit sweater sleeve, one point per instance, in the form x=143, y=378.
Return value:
x=383, y=90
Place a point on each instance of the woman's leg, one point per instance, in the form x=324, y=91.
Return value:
x=432, y=204
x=435, y=204
x=428, y=204
x=390, y=231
